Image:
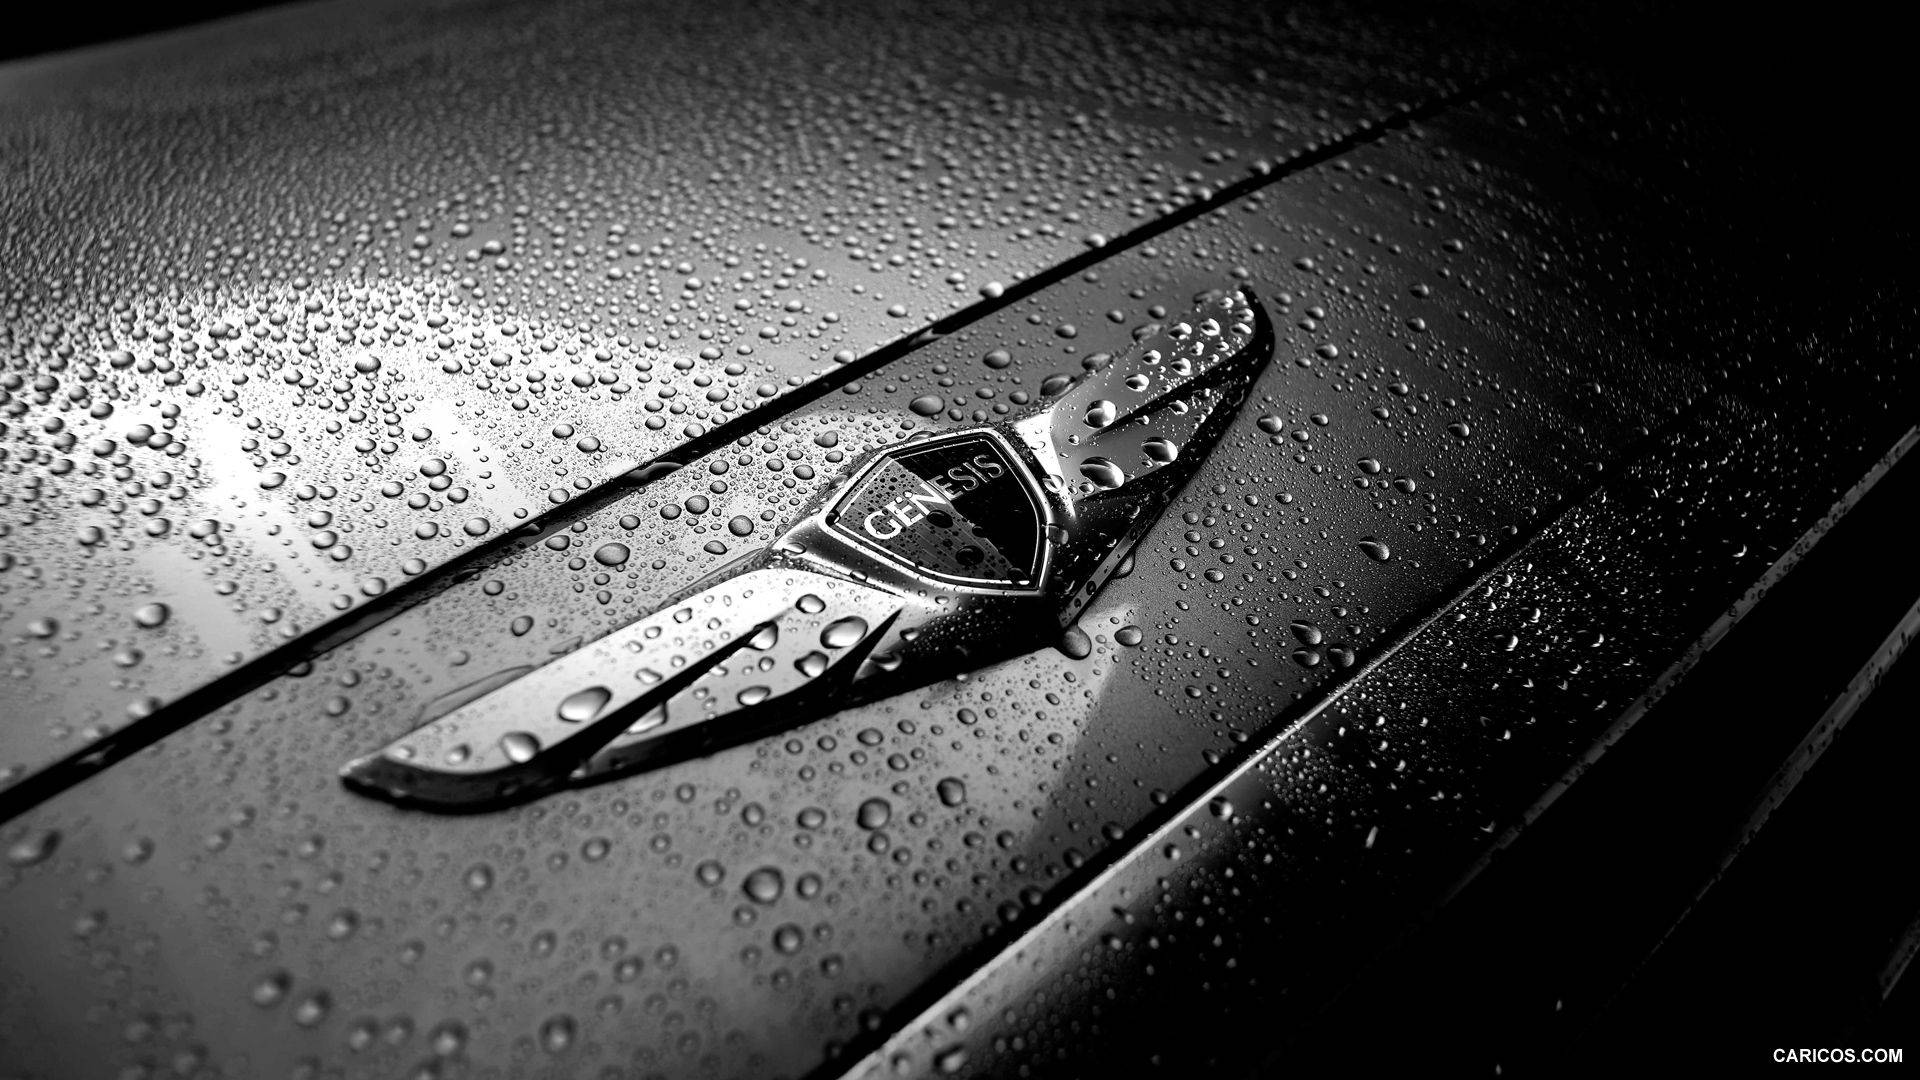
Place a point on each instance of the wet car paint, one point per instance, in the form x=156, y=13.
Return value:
x=356, y=290
x=220, y=897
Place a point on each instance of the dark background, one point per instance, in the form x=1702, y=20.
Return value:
x=1826, y=82
x=57, y=27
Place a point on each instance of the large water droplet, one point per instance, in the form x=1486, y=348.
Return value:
x=1103, y=472
x=583, y=705
x=1161, y=450
x=519, y=747
x=764, y=886
x=1102, y=413
x=1075, y=643
x=843, y=632
x=873, y=814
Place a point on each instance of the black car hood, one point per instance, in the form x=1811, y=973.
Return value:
x=448, y=256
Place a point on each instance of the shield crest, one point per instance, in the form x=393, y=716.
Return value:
x=959, y=509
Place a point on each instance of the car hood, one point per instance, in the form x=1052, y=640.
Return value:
x=510, y=323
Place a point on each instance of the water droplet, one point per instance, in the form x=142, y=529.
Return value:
x=35, y=847
x=812, y=664
x=271, y=989
x=1075, y=643
x=740, y=525
x=312, y=1009
x=1376, y=550
x=764, y=886
x=1102, y=413
x=810, y=604
x=952, y=791
x=1161, y=450
x=583, y=705
x=788, y=938
x=873, y=814
x=1128, y=636
x=448, y=1039
x=843, y=632
x=612, y=553
x=1103, y=472
x=557, y=1034
x=927, y=404
x=152, y=615
x=519, y=747
x=343, y=925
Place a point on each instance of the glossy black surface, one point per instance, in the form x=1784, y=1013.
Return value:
x=1563, y=371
